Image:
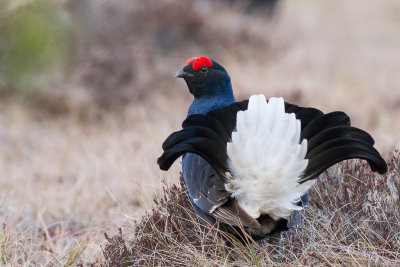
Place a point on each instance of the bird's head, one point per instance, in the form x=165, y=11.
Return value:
x=205, y=77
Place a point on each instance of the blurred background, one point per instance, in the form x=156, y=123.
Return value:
x=87, y=96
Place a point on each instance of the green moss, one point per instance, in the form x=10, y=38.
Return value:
x=33, y=46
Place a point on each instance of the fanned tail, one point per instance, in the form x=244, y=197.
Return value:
x=330, y=139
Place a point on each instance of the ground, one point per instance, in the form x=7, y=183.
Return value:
x=66, y=180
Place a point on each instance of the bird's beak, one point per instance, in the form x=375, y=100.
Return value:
x=182, y=74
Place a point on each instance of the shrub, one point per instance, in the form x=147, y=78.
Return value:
x=354, y=219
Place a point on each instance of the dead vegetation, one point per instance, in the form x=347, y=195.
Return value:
x=354, y=219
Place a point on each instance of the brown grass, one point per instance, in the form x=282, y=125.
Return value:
x=354, y=219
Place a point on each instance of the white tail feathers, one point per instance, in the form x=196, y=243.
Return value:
x=266, y=159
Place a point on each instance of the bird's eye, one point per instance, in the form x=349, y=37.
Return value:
x=204, y=69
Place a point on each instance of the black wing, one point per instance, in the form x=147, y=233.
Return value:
x=207, y=192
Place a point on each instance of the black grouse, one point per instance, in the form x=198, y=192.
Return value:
x=248, y=164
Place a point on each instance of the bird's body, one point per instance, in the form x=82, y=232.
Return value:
x=248, y=163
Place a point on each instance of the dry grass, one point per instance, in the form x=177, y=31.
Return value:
x=66, y=180
x=354, y=219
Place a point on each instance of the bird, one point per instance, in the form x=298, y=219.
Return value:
x=248, y=165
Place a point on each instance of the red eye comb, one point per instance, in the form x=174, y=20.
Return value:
x=199, y=62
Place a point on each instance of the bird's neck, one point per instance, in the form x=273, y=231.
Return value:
x=207, y=103
x=202, y=105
